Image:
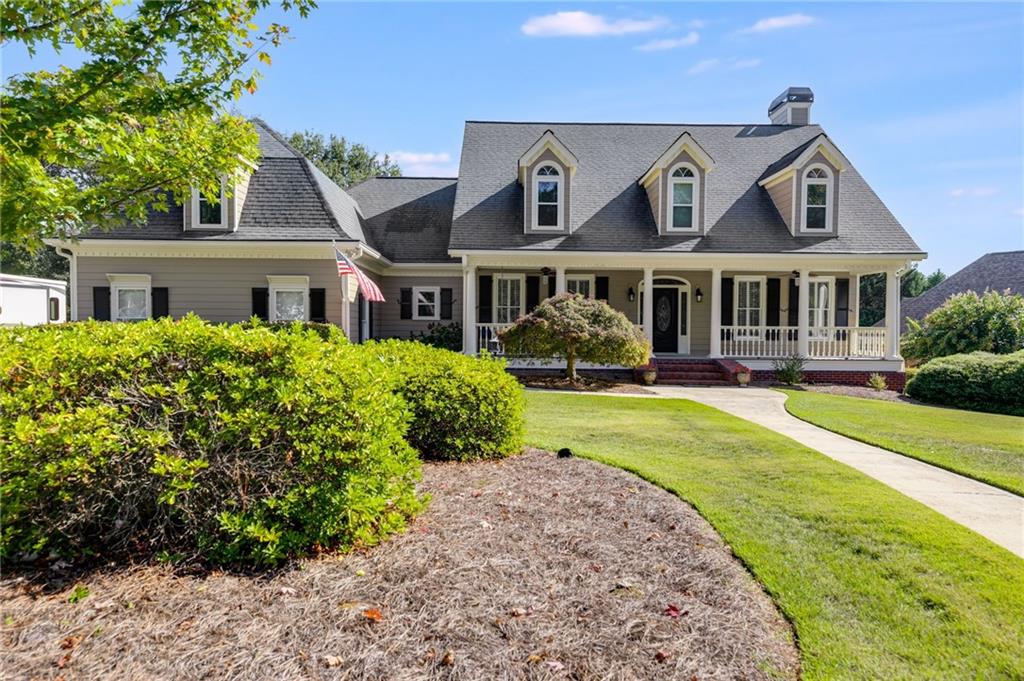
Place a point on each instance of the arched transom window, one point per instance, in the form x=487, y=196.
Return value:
x=547, y=190
x=817, y=202
x=683, y=195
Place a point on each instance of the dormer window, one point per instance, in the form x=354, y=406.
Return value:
x=209, y=212
x=683, y=194
x=817, y=202
x=547, y=190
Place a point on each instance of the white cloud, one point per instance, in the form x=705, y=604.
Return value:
x=973, y=192
x=425, y=164
x=587, y=25
x=690, y=38
x=776, y=23
x=733, y=64
x=1018, y=211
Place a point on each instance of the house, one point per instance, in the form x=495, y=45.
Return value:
x=31, y=301
x=721, y=241
x=991, y=272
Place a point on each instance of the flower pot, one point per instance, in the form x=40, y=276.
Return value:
x=649, y=376
x=743, y=378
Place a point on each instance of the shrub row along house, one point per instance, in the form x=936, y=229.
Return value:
x=720, y=241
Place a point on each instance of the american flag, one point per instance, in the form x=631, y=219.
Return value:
x=366, y=285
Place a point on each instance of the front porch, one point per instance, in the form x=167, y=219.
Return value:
x=753, y=310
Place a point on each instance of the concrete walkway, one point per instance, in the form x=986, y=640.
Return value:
x=991, y=512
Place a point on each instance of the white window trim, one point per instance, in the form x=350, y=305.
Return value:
x=287, y=283
x=537, y=179
x=521, y=278
x=121, y=282
x=670, y=198
x=416, y=291
x=223, y=224
x=590, y=278
x=831, y=305
x=830, y=191
x=763, y=294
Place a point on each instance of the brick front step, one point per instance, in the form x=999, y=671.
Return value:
x=673, y=374
x=686, y=381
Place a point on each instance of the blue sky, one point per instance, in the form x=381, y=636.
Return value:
x=926, y=99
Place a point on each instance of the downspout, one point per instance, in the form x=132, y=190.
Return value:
x=72, y=279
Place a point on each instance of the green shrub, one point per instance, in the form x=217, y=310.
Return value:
x=992, y=322
x=571, y=327
x=464, y=408
x=228, y=443
x=980, y=381
x=789, y=370
x=877, y=382
x=447, y=336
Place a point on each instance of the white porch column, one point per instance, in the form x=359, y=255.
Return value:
x=559, y=280
x=648, y=293
x=469, y=332
x=803, y=314
x=346, y=308
x=892, y=315
x=855, y=301
x=716, y=312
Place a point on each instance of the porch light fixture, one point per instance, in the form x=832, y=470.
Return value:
x=546, y=271
x=700, y=296
x=796, y=278
x=631, y=294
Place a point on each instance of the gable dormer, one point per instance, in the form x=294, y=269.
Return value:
x=804, y=186
x=675, y=185
x=219, y=213
x=545, y=171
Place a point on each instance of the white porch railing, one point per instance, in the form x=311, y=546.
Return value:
x=487, y=338
x=832, y=342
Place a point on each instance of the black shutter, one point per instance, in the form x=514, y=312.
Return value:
x=261, y=303
x=485, y=295
x=793, y=318
x=405, y=303
x=551, y=285
x=161, y=302
x=101, y=303
x=601, y=288
x=726, y=301
x=317, y=305
x=843, y=302
x=773, y=302
x=532, y=293
x=446, y=303
x=361, y=314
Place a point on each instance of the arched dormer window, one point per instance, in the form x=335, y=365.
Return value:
x=683, y=193
x=548, y=213
x=817, y=199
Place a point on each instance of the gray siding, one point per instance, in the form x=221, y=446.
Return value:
x=548, y=157
x=387, y=321
x=782, y=197
x=798, y=193
x=664, y=180
x=217, y=289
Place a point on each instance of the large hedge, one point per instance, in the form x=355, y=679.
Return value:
x=981, y=381
x=463, y=408
x=992, y=322
x=196, y=440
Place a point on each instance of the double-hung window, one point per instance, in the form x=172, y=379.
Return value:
x=209, y=212
x=582, y=284
x=683, y=194
x=817, y=210
x=508, y=298
x=426, y=302
x=547, y=188
x=289, y=298
x=129, y=297
x=749, y=305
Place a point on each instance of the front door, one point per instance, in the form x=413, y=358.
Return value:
x=666, y=320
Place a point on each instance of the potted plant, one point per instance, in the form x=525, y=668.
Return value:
x=743, y=378
x=648, y=373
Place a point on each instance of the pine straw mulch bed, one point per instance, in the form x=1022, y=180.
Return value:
x=583, y=384
x=860, y=391
x=529, y=568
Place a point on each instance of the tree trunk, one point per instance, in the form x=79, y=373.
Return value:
x=570, y=366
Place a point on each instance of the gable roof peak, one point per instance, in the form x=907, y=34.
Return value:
x=547, y=141
x=685, y=142
x=801, y=155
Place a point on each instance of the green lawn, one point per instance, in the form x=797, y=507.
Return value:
x=987, y=447
x=876, y=584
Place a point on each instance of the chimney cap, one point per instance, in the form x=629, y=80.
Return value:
x=792, y=94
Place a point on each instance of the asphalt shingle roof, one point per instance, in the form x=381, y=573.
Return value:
x=609, y=211
x=408, y=219
x=992, y=271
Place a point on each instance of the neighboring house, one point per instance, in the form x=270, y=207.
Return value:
x=31, y=301
x=720, y=241
x=991, y=272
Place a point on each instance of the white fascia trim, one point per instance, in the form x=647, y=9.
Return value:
x=547, y=141
x=22, y=279
x=155, y=248
x=683, y=142
x=864, y=262
x=821, y=143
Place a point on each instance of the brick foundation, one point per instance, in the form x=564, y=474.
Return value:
x=896, y=380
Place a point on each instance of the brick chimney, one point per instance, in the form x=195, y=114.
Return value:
x=792, y=107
